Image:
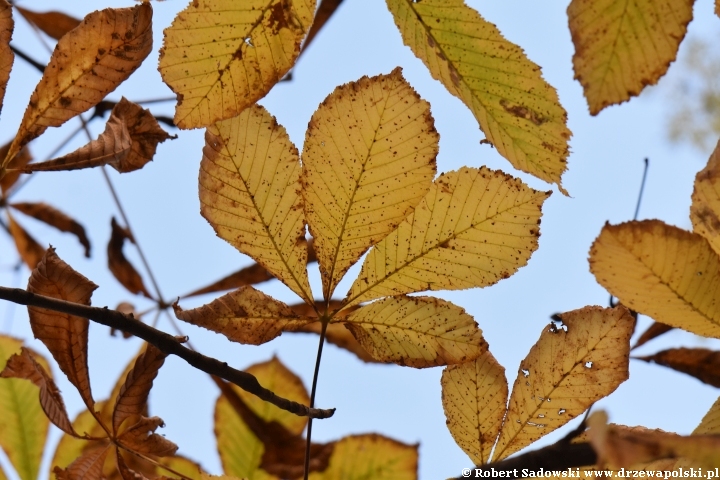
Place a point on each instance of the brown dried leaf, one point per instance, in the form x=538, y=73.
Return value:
x=55, y=218
x=15, y=167
x=54, y=24
x=700, y=363
x=129, y=142
x=6, y=54
x=28, y=248
x=65, y=335
x=88, y=466
x=126, y=473
x=87, y=64
x=653, y=331
x=25, y=366
x=140, y=438
x=120, y=267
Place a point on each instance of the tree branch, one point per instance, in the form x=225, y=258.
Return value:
x=166, y=343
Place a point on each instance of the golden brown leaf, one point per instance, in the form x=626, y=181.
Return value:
x=661, y=271
x=417, y=332
x=28, y=248
x=15, y=167
x=220, y=57
x=473, y=228
x=6, y=54
x=126, y=473
x=87, y=64
x=368, y=160
x=245, y=315
x=55, y=218
x=70, y=448
x=129, y=142
x=88, y=466
x=710, y=424
x=653, y=331
x=566, y=371
x=474, y=398
x=140, y=437
x=120, y=266
x=54, y=24
x=700, y=363
x=65, y=335
x=705, y=208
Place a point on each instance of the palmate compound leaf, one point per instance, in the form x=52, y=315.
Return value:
x=417, y=332
x=566, y=371
x=518, y=111
x=705, y=207
x=622, y=46
x=245, y=315
x=250, y=194
x=6, y=54
x=474, y=398
x=661, y=271
x=221, y=56
x=473, y=228
x=368, y=160
x=87, y=64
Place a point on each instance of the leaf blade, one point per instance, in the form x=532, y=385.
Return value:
x=7, y=57
x=705, y=207
x=55, y=218
x=700, y=363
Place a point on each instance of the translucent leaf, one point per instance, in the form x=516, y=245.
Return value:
x=23, y=425
x=358, y=457
x=65, y=335
x=473, y=228
x=222, y=56
x=6, y=54
x=89, y=466
x=119, y=265
x=710, y=424
x=54, y=24
x=181, y=465
x=87, y=64
x=55, y=218
x=518, y=111
x=700, y=363
x=661, y=271
x=245, y=316
x=249, y=192
x=417, y=332
x=566, y=371
x=474, y=397
x=30, y=251
x=368, y=160
x=620, y=46
x=705, y=208
x=140, y=437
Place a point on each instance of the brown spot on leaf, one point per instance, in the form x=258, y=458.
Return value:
x=522, y=111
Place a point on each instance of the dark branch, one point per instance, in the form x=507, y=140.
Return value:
x=166, y=343
x=39, y=66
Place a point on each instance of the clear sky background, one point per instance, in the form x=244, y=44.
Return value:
x=605, y=168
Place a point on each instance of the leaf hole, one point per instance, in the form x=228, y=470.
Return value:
x=248, y=42
x=526, y=373
x=588, y=364
x=561, y=411
x=541, y=416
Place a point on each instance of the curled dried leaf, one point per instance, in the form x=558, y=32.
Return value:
x=28, y=248
x=6, y=54
x=54, y=24
x=119, y=265
x=55, y=218
x=140, y=437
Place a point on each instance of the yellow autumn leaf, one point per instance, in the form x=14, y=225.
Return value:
x=621, y=46
x=518, y=111
x=239, y=448
x=417, y=332
x=710, y=423
x=661, y=271
x=473, y=228
x=87, y=64
x=474, y=398
x=359, y=457
x=705, y=207
x=6, y=54
x=23, y=425
x=221, y=56
x=368, y=159
x=565, y=372
x=250, y=194
x=245, y=315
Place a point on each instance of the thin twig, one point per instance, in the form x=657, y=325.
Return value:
x=38, y=66
x=325, y=322
x=165, y=343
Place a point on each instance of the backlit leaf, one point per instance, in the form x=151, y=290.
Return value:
x=65, y=335
x=6, y=54
x=661, y=271
x=87, y=64
x=368, y=160
x=566, y=371
x=141, y=437
x=23, y=425
x=622, y=46
x=28, y=248
x=358, y=457
x=249, y=192
x=710, y=424
x=705, y=208
x=55, y=218
x=518, y=111
x=221, y=56
x=70, y=448
x=119, y=265
x=474, y=397
x=15, y=167
x=700, y=363
x=417, y=331
x=54, y=24
x=89, y=466
x=653, y=331
x=245, y=315
x=473, y=228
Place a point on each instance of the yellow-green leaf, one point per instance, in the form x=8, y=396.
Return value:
x=518, y=111
x=661, y=271
x=710, y=424
x=250, y=194
x=221, y=56
x=473, y=228
x=6, y=54
x=474, y=398
x=623, y=45
x=245, y=316
x=368, y=160
x=23, y=425
x=417, y=332
x=566, y=371
x=359, y=457
x=705, y=208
